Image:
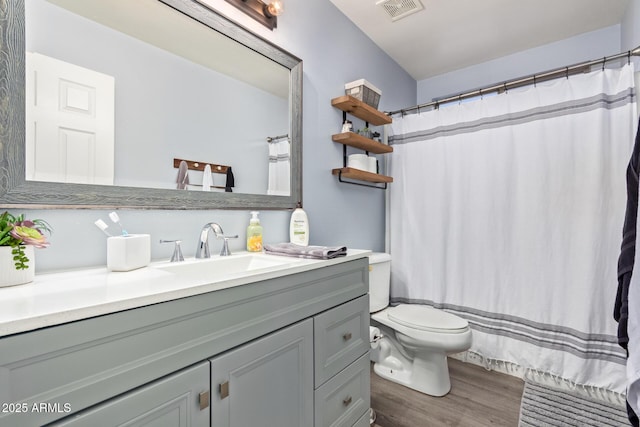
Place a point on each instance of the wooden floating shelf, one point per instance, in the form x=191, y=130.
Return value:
x=358, y=141
x=361, y=175
x=361, y=110
x=365, y=112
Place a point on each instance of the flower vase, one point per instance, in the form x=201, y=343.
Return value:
x=9, y=276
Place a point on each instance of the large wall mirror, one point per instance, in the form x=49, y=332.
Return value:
x=119, y=103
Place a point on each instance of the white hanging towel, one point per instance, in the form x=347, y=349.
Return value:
x=279, y=168
x=207, y=179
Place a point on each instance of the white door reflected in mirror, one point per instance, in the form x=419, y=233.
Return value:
x=69, y=122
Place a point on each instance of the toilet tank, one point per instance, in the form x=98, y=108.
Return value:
x=379, y=281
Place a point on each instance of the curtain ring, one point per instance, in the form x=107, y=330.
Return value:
x=567, y=72
x=629, y=58
x=459, y=99
x=418, y=108
x=436, y=106
x=604, y=61
x=505, y=87
x=481, y=97
x=534, y=80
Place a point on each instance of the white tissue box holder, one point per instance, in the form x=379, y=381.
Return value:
x=126, y=253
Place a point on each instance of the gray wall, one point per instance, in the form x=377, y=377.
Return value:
x=588, y=46
x=334, y=52
x=593, y=45
x=630, y=34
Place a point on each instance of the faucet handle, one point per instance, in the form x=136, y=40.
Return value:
x=225, y=245
x=177, y=250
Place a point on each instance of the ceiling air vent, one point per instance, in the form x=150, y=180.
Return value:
x=397, y=9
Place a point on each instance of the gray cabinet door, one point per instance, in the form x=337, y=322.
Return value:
x=268, y=382
x=178, y=400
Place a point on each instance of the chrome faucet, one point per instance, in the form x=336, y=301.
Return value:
x=202, y=251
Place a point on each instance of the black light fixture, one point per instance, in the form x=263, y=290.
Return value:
x=265, y=12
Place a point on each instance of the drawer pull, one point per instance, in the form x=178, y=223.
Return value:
x=346, y=336
x=224, y=389
x=347, y=401
x=203, y=399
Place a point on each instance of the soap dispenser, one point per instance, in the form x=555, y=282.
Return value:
x=254, y=234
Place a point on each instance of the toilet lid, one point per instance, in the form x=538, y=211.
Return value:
x=426, y=318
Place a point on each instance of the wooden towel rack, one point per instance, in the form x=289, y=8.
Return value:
x=199, y=166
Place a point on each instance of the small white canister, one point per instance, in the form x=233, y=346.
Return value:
x=126, y=253
x=372, y=164
x=358, y=161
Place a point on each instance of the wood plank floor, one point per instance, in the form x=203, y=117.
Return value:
x=478, y=398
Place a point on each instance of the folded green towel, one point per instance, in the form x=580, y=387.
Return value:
x=310, y=252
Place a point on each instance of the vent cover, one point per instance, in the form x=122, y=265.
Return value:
x=397, y=9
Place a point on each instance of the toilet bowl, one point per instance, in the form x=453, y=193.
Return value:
x=416, y=339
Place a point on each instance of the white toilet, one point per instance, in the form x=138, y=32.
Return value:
x=416, y=339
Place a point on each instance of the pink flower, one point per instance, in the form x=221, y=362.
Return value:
x=28, y=235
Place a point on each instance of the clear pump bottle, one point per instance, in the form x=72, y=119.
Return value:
x=254, y=234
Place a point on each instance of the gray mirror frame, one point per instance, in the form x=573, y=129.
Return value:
x=16, y=191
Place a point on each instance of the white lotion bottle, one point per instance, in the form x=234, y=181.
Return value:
x=299, y=227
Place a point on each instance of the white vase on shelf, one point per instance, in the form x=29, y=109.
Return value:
x=9, y=276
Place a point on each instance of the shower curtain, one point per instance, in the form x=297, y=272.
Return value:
x=508, y=211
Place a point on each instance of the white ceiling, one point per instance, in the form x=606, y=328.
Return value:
x=452, y=34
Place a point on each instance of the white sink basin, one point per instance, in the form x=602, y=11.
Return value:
x=226, y=267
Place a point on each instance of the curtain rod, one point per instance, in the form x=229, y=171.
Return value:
x=510, y=84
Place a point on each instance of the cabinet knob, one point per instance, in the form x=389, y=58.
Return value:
x=346, y=336
x=347, y=401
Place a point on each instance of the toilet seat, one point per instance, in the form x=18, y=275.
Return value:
x=425, y=318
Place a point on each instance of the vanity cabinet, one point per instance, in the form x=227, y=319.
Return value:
x=359, y=109
x=244, y=355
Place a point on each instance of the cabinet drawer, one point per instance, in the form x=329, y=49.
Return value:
x=341, y=335
x=364, y=421
x=179, y=400
x=341, y=401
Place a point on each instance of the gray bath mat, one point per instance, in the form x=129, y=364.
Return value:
x=546, y=406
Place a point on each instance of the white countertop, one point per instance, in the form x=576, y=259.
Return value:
x=56, y=298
